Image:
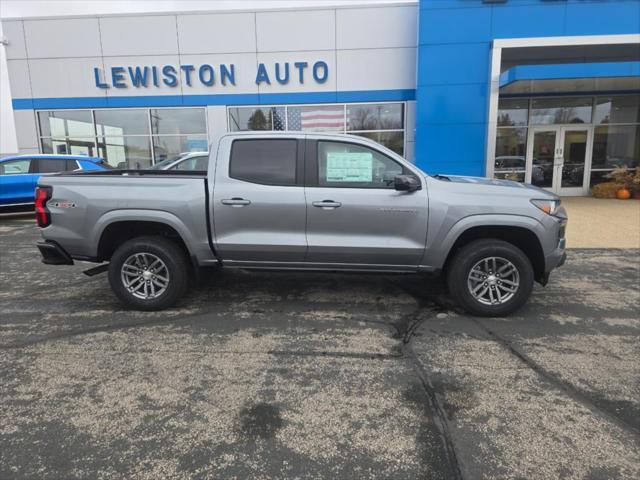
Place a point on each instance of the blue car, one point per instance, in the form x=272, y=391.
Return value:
x=19, y=174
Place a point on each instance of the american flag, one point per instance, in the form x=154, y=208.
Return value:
x=328, y=118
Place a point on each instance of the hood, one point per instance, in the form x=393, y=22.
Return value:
x=493, y=181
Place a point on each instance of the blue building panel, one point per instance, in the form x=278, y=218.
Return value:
x=435, y=70
x=603, y=18
x=456, y=104
x=514, y=20
x=460, y=25
x=455, y=37
x=455, y=149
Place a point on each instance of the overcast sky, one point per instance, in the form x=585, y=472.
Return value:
x=45, y=8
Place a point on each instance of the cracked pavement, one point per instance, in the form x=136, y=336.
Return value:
x=315, y=375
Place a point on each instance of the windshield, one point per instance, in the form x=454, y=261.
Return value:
x=164, y=163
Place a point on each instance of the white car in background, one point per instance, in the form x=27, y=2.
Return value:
x=188, y=161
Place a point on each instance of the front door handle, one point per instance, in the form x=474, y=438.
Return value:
x=327, y=204
x=236, y=202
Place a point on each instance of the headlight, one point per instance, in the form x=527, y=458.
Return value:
x=547, y=206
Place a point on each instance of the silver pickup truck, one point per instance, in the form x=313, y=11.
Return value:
x=303, y=201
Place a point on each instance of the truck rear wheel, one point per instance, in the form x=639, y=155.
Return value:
x=149, y=273
x=490, y=278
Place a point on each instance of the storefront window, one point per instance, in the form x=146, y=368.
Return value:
x=251, y=118
x=392, y=140
x=510, y=160
x=119, y=122
x=547, y=111
x=513, y=112
x=122, y=136
x=126, y=152
x=66, y=123
x=383, y=122
x=171, y=121
x=316, y=118
x=375, y=117
x=620, y=109
x=616, y=145
x=615, y=133
x=167, y=146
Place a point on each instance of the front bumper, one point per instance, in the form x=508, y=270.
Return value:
x=53, y=254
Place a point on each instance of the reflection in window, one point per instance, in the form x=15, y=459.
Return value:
x=510, y=159
x=316, y=118
x=512, y=112
x=618, y=109
x=251, y=118
x=616, y=145
x=547, y=111
x=122, y=122
x=387, y=116
x=167, y=146
x=392, y=140
x=173, y=121
x=125, y=152
x=66, y=123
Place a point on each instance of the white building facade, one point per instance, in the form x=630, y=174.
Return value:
x=136, y=89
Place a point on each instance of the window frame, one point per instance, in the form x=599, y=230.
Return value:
x=312, y=165
x=299, y=164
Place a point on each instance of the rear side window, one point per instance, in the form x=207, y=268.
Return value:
x=268, y=161
x=52, y=165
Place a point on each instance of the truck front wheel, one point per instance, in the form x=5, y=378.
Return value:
x=149, y=273
x=490, y=278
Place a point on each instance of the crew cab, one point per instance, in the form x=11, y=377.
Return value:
x=303, y=201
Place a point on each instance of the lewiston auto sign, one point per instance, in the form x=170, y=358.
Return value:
x=137, y=76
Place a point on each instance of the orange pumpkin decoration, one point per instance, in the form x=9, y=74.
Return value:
x=623, y=194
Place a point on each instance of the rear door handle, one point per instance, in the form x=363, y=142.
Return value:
x=327, y=204
x=236, y=202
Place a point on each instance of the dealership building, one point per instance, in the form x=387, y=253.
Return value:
x=542, y=91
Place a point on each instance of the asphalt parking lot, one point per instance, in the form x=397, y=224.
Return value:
x=291, y=375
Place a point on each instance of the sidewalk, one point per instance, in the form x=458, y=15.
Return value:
x=602, y=223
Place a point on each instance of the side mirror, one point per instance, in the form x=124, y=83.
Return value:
x=406, y=183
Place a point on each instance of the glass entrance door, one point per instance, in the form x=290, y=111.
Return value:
x=558, y=159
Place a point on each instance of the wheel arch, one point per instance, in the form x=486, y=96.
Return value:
x=520, y=236
x=113, y=232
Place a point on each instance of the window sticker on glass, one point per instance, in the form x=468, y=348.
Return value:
x=349, y=167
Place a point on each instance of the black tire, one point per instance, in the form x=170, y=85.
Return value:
x=464, y=261
x=174, y=259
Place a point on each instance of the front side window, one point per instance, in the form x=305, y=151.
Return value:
x=15, y=167
x=267, y=162
x=348, y=165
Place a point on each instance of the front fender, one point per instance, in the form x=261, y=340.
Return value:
x=440, y=244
